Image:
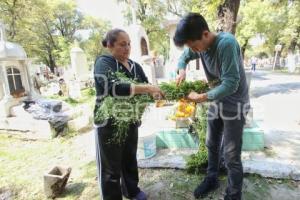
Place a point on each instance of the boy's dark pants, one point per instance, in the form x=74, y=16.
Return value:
x=230, y=124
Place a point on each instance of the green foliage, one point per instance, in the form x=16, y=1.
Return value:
x=97, y=29
x=208, y=8
x=71, y=101
x=47, y=29
x=151, y=14
x=275, y=21
x=122, y=111
x=174, y=92
x=91, y=92
x=62, y=54
x=291, y=34
x=197, y=163
x=87, y=97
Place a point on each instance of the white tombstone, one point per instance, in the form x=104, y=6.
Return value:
x=15, y=84
x=74, y=89
x=79, y=64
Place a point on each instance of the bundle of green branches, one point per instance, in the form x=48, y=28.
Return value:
x=175, y=92
x=122, y=111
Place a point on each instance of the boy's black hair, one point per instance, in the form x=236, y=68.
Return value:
x=190, y=27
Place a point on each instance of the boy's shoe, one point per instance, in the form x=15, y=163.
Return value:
x=207, y=185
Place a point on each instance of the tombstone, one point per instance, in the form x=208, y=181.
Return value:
x=79, y=66
x=74, y=89
x=15, y=83
x=158, y=63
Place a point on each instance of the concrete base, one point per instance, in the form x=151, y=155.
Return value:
x=41, y=129
x=78, y=123
x=79, y=117
x=7, y=103
x=24, y=122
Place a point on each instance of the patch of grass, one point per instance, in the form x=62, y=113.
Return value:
x=71, y=101
x=90, y=170
x=179, y=185
x=163, y=184
x=87, y=96
x=23, y=164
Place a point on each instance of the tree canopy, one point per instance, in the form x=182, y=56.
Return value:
x=47, y=29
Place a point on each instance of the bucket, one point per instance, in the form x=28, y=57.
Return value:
x=146, y=147
x=253, y=139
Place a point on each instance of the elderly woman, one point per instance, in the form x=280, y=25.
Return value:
x=117, y=164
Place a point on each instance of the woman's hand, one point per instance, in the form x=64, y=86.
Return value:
x=155, y=92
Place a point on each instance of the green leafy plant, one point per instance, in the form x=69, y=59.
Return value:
x=91, y=92
x=123, y=111
x=174, y=92
x=197, y=163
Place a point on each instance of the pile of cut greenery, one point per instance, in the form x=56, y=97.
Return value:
x=197, y=163
x=128, y=110
x=175, y=92
x=122, y=111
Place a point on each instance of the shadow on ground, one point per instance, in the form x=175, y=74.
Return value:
x=283, y=88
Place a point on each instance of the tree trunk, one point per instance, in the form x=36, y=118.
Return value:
x=277, y=61
x=52, y=64
x=244, y=47
x=292, y=46
x=294, y=42
x=227, y=15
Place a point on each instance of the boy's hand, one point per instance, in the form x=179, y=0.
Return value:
x=181, y=76
x=197, y=98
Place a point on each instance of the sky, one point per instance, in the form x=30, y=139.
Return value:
x=104, y=9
